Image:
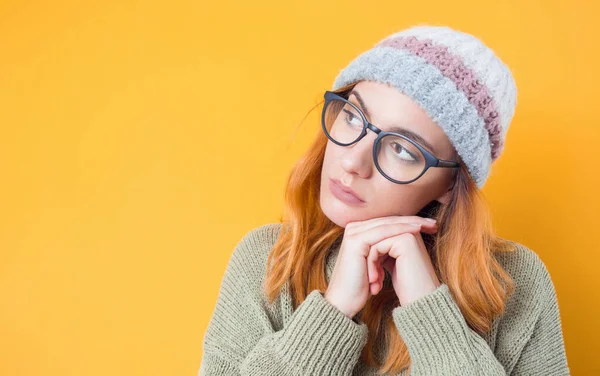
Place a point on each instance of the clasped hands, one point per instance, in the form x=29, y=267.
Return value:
x=367, y=247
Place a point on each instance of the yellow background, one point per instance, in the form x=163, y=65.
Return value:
x=141, y=140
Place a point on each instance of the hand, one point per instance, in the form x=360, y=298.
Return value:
x=406, y=258
x=349, y=287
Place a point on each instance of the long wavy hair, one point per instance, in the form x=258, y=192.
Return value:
x=461, y=251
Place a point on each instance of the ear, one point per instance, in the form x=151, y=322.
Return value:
x=445, y=197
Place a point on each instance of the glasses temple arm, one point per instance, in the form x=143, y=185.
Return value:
x=442, y=163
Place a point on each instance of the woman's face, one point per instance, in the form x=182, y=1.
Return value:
x=354, y=167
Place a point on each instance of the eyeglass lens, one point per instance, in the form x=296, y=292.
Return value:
x=397, y=157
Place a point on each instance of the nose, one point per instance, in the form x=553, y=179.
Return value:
x=358, y=157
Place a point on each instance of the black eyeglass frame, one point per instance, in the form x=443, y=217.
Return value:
x=430, y=159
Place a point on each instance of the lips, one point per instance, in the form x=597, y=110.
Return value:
x=349, y=193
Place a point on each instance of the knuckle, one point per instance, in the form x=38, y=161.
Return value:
x=403, y=237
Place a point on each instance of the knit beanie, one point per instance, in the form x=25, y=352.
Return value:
x=456, y=79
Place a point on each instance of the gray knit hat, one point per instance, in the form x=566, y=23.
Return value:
x=459, y=82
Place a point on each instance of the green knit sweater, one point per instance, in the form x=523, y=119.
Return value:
x=249, y=336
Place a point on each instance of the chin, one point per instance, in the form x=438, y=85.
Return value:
x=335, y=211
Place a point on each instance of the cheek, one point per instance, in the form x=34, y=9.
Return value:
x=396, y=200
x=328, y=160
x=330, y=157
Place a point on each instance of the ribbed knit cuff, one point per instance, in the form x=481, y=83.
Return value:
x=320, y=339
x=433, y=329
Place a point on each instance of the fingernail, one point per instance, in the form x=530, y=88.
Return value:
x=430, y=220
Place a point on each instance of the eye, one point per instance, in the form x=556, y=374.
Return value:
x=352, y=119
x=402, y=153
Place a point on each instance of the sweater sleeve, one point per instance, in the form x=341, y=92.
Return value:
x=440, y=342
x=318, y=339
x=544, y=353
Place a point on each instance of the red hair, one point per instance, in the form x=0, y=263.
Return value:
x=462, y=251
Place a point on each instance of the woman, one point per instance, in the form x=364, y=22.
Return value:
x=386, y=261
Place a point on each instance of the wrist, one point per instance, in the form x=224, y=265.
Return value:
x=331, y=300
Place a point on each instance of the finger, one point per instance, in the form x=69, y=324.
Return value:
x=360, y=226
x=381, y=276
x=429, y=229
x=385, y=219
x=373, y=288
x=419, y=239
x=366, y=225
x=379, y=233
x=375, y=264
x=372, y=262
x=366, y=239
x=375, y=237
x=399, y=243
x=375, y=270
x=377, y=253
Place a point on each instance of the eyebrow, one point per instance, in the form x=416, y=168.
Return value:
x=402, y=131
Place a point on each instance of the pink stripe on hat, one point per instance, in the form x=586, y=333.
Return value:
x=465, y=79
